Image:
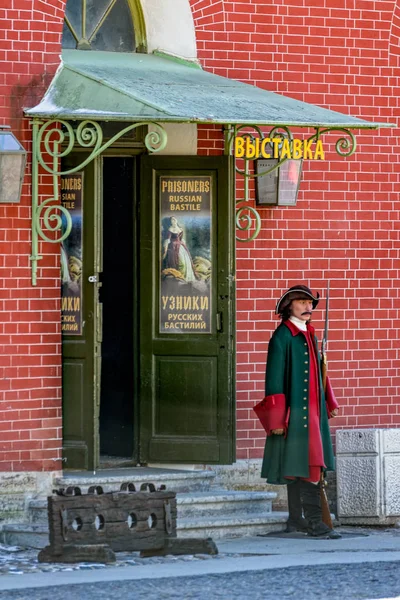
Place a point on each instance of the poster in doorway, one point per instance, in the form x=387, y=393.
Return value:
x=186, y=261
x=71, y=256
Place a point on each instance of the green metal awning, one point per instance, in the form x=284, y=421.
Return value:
x=150, y=87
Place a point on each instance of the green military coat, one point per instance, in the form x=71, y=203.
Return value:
x=287, y=374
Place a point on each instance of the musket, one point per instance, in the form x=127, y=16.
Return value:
x=325, y=509
x=325, y=340
x=326, y=513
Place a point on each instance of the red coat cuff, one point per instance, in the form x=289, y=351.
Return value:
x=272, y=412
x=331, y=401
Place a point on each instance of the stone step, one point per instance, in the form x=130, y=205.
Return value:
x=232, y=526
x=25, y=535
x=176, y=480
x=213, y=503
x=37, y=511
x=216, y=513
x=219, y=503
x=12, y=508
x=203, y=510
x=36, y=535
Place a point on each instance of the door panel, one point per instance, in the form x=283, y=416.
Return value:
x=186, y=310
x=185, y=377
x=80, y=348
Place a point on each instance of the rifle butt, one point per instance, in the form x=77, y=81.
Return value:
x=326, y=513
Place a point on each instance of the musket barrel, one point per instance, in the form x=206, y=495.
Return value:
x=324, y=364
x=326, y=314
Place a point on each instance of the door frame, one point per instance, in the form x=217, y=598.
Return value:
x=94, y=213
x=135, y=153
x=82, y=447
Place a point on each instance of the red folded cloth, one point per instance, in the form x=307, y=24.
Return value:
x=272, y=412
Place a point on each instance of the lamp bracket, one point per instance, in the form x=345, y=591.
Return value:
x=54, y=140
x=247, y=217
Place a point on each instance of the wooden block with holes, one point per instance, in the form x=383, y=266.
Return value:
x=123, y=521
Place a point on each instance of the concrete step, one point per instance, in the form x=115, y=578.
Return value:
x=36, y=535
x=26, y=535
x=176, y=480
x=220, y=503
x=194, y=504
x=232, y=526
x=216, y=513
x=12, y=508
x=37, y=511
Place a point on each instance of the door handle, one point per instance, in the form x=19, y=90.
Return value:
x=219, y=321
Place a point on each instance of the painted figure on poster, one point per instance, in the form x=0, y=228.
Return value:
x=176, y=254
x=71, y=270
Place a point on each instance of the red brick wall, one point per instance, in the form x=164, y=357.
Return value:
x=344, y=56
x=30, y=371
x=338, y=54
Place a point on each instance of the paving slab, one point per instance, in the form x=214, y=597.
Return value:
x=354, y=539
x=19, y=568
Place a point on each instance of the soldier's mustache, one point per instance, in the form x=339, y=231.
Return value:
x=306, y=313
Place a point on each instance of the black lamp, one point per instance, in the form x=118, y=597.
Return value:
x=280, y=186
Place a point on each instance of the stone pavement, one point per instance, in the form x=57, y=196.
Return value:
x=19, y=568
x=366, y=581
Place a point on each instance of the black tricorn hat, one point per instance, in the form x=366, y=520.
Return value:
x=297, y=292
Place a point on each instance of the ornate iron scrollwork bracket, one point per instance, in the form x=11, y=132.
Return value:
x=247, y=217
x=52, y=141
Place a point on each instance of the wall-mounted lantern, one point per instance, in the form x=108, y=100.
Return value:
x=278, y=186
x=12, y=166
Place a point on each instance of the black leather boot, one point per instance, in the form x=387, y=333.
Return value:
x=311, y=501
x=296, y=522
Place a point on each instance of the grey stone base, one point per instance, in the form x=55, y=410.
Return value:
x=371, y=521
x=18, y=489
x=368, y=465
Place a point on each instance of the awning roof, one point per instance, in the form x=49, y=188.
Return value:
x=148, y=87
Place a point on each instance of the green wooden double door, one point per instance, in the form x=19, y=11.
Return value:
x=148, y=311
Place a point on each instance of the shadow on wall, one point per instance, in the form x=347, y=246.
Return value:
x=23, y=96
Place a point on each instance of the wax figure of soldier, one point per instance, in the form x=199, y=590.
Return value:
x=298, y=447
